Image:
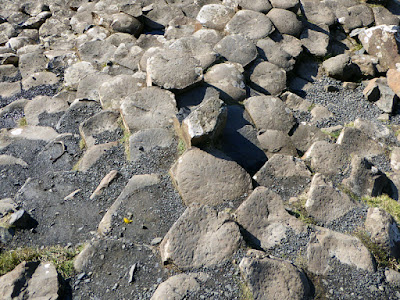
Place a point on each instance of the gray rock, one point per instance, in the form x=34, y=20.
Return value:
x=97, y=52
x=274, y=53
x=204, y=123
x=237, y=48
x=269, y=112
x=292, y=5
x=31, y=63
x=268, y=78
x=376, y=131
x=339, y=67
x=328, y=244
x=39, y=79
x=251, y=24
x=355, y=141
x=295, y=102
x=325, y=203
x=31, y=280
x=291, y=45
x=128, y=57
x=146, y=140
x=367, y=64
x=93, y=154
x=264, y=217
x=179, y=286
x=160, y=14
x=125, y=23
x=89, y=86
x=172, y=69
x=195, y=47
x=91, y=128
x=383, y=16
x=53, y=27
x=273, y=278
x=180, y=27
x=383, y=230
x=41, y=104
x=380, y=41
x=7, y=205
x=215, y=16
x=262, y=6
x=209, y=36
x=75, y=73
x=305, y=135
x=319, y=113
x=7, y=71
x=315, y=39
x=8, y=160
x=201, y=237
x=327, y=158
x=318, y=12
x=275, y=141
x=287, y=173
x=207, y=179
x=228, y=79
x=113, y=91
x=27, y=132
x=285, y=21
x=151, y=107
x=119, y=38
x=393, y=277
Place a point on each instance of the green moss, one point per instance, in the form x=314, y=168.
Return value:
x=181, y=147
x=301, y=213
x=245, y=292
x=380, y=254
x=61, y=257
x=311, y=107
x=357, y=47
x=22, y=122
x=347, y=191
x=334, y=134
x=386, y=203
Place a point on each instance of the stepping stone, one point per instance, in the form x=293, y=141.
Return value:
x=251, y=24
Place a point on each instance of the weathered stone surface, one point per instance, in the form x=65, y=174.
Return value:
x=325, y=203
x=113, y=91
x=383, y=16
x=367, y=65
x=204, y=53
x=251, y=24
x=315, y=38
x=30, y=63
x=262, y=6
x=273, y=278
x=75, y=73
x=355, y=141
x=393, y=80
x=356, y=16
x=328, y=244
x=27, y=132
x=215, y=16
x=122, y=22
x=89, y=86
x=275, y=141
x=268, y=78
x=40, y=104
x=201, y=237
x=339, y=67
x=237, y=48
x=318, y=12
x=38, y=79
x=285, y=21
x=9, y=89
x=93, y=127
x=204, y=123
x=128, y=57
x=268, y=112
x=146, y=140
x=207, y=179
x=287, y=173
x=172, y=69
x=381, y=94
x=93, y=154
x=383, y=230
x=365, y=179
x=395, y=159
x=264, y=217
x=375, y=130
x=209, y=36
x=179, y=286
x=180, y=27
x=305, y=135
x=274, y=53
x=228, y=79
x=151, y=107
x=292, y=5
x=295, y=102
x=393, y=277
x=327, y=158
x=380, y=41
x=31, y=280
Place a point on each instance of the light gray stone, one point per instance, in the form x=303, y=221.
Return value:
x=75, y=73
x=285, y=21
x=269, y=112
x=262, y=6
x=42, y=104
x=318, y=12
x=237, y=48
x=251, y=24
x=305, y=135
x=122, y=22
x=201, y=237
x=326, y=203
x=93, y=154
x=207, y=179
x=215, y=16
x=38, y=79
x=327, y=244
x=274, y=53
x=315, y=39
x=276, y=141
x=268, y=78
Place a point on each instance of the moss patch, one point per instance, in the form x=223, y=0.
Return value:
x=386, y=203
x=181, y=147
x=22, y=122
x=61, y=257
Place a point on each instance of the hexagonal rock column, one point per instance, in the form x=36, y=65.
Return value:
x=207, y=179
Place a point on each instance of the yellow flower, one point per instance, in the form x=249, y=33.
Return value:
x=127, y=221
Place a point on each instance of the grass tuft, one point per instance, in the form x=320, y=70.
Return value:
x=82, y=144
x=181, y=147
x=22, y=122
x=389, y=205
x=334, y=134
x=61, y=257
x=245, y=292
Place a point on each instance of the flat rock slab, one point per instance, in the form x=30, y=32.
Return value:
x=215, y=16
x=201, y=237
x=207, y=179
x=273, y=278
x=325, y=203
x=237, y=48
x=269, y=112
x=326, y=245
x=287, y=174
x=264, y=217
x=31, y=280
x=180, y=286
x=40, y=104
x=172, y=69
x=151, y=107
x=268, y=78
